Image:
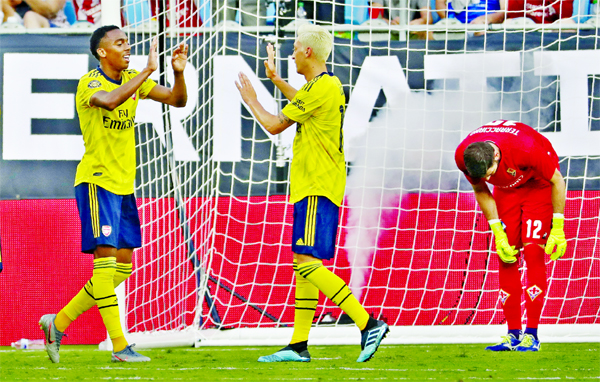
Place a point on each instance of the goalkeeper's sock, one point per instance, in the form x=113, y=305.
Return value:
x=510, y=293
x=336, y=290
x=106, y=299
x=515, y=332
x=533, y=332
x=537, y=283
x=84, y=300
x=307, y=298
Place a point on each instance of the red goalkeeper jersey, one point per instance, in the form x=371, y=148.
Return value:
x=525, y=154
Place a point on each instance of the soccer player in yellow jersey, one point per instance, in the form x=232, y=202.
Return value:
x=318, y=180
x=107, y=99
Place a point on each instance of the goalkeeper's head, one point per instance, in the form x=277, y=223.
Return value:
x=317, y=38
x=479, y=159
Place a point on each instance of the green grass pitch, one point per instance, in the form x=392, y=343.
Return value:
x=571, y=362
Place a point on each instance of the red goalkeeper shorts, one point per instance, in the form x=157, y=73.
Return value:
x=526, y=211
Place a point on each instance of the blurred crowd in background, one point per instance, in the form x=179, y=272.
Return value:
x=256, y=13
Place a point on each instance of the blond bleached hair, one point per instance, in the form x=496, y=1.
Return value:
x=317, y=38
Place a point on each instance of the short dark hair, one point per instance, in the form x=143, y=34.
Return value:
x=478, y=157
x=97, y=36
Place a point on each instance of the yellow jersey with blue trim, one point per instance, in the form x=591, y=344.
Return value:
x=109, y=160
x=318, y=166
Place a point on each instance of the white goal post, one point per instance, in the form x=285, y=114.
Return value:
x=212, y=186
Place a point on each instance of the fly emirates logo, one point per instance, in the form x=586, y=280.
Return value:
x=123, y=124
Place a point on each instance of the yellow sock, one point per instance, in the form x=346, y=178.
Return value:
x=307, y=298
x=122, y=273
x=106, y=299
x=78, y=304
x=336, y=290
x=119, y=343
x=84, y=300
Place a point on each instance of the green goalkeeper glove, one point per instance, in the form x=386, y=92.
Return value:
x=506, y=252
x=557, y=238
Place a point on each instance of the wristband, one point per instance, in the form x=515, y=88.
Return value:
x=558, y=215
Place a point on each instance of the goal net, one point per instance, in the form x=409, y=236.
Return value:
x=413, y=246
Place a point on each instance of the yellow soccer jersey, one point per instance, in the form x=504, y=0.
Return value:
x=318, y=166
x=109, y=158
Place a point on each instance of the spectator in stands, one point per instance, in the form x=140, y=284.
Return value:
x=46, y=14
x=252, y=12
x=318, y=12
x=13, y=11
x=471, y=11
x=88, y=11
x=325, y=11
x=389, y=11
x=540, y=11
x=419, y=13
x=36, y=13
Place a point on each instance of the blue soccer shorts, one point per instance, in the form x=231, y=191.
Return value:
x=107, y=218
x=316, y=220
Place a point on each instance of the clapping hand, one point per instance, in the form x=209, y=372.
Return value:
x=270, y=69
x=180, y=57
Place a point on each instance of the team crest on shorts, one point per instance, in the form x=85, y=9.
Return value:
x=106, y=230
x=503, y=296
x=511, y=172
x=534, y=291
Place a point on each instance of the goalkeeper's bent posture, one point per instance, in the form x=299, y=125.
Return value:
x=526, y=211
x=318, y=180
x=106, y=100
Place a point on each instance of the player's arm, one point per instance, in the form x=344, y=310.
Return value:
x=557, y=234
x=486, y=200
x=487, y=203
x=286, y=89
x=111, y=100
x=274, y=124
x=559, y=192
x=176, y=96
x=441, y=6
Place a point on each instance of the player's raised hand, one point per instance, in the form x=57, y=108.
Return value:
x=270, y=69
x=506, y=252
x=180, y=55
x=245, y=87
x=153, y=55
x=557, y=238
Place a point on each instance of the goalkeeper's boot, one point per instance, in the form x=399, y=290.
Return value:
x=529, y=343
x=287, y=354
x=508, y=343
x=128, y=355
x=371, y=339
x=52, y=336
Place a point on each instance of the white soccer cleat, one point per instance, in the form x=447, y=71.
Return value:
x=129, y=355
x=52, y=336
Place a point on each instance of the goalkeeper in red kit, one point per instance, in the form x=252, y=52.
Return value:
x=525, y=211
